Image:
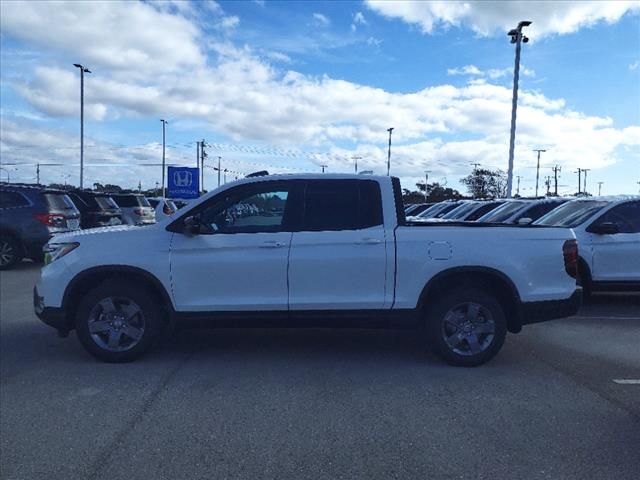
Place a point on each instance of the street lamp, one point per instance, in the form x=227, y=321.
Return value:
x=426, y=184
x=8, y=175
x=539, y=150
x=390, y=130
x=83, y=70
x=164, y=123
x=356, y=158
x=516, y=37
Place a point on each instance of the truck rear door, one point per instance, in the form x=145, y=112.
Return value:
x=338, y=260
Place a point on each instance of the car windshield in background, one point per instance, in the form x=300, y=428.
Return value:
x=106, y=203
x=59, y=201
x=571, y=214
x=502, y=213
x=461, y=211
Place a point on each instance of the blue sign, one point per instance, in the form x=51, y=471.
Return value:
x=183, y=182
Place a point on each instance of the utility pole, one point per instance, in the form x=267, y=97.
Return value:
x=164, y=123
x=426, y=184
x=475, y=166
x=579, y=179
x=518, y=188
x=556, y=169
x=83, y=70
x=585, y=170
x=356, y=158
x=600, y=188
x=197, y=153
x=219, y=159
x=203, y=155
x=139, y=186
x=323, y=167
x=37, y=173
x=390, y=130
x=516, y=37
x=225, y=175
x=538, y=168
x=548, y=184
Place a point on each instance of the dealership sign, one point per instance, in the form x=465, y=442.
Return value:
x=183, y=182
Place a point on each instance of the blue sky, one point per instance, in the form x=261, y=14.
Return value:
x=289, y=86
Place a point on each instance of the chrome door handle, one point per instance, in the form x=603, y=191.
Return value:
x=369, y=241
x=272, y=245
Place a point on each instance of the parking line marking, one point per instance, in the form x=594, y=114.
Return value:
x=626, y=381
x=605, y=317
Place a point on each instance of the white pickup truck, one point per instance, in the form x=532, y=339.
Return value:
x=307, y=250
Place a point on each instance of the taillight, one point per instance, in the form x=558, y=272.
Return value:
x=570, y=254
x=51, y=219
x=138, y=211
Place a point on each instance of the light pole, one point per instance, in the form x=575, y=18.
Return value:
x=323, y=167
x=164, y=123
x=355, y=158
x=600, y=188
x=585, y=170
x=538, y=168
x=83, y=70
x=8, y=175
x=518, y=187
x=390, y=130
x=516, y=37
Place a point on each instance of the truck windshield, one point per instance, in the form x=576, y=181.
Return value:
x=502, y=213
x=571, y=214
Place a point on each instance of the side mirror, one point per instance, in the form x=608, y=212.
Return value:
x=524, y=221
x=605, y=228
x=192, y=225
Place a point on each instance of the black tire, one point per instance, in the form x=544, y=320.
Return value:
x=106, y=323
x=584, y=280
x=9, y=252
x=470, y=349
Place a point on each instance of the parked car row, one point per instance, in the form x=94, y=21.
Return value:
x=31, y=214
x=607, y=230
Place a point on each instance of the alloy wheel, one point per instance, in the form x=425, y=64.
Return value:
x=468, y=329
x=116, y=324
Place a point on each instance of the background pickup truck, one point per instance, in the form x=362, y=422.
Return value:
x=302, y=250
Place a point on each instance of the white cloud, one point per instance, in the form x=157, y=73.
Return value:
x=124, y=36
x=496, y=17
x=466, y=70
x=321, y=20
x=634, y=66
x=230, y=22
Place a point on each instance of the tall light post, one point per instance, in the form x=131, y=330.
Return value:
x=585, y=170
x=164, y=123
x=516, y=37
x=538, y=168
x=8, y=175
x=390, y=130
x=600, y=188
x=83, y=70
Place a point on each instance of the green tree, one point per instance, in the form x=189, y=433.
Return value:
x=485, y=183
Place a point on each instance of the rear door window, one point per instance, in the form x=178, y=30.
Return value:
x=332, y=205
x=12, y=200
x=59, y=201
x=106, y=203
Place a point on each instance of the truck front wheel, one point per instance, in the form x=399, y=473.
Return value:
x=466, y=327
x=118, y=321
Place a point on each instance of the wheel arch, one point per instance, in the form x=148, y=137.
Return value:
x=88, y=279
x=485, y=278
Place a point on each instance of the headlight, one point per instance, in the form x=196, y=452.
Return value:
x=54, y=251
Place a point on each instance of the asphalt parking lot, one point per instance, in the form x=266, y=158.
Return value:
x=557, y=402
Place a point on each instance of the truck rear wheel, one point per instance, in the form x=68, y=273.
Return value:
x=118, y=321
x=466, y=327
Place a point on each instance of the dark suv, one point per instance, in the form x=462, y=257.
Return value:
x=29, y=216
x=96, y=209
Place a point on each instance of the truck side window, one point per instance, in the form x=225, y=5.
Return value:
x=626, y=216
x=332, y=205
x=12, y=200
x=251, y=210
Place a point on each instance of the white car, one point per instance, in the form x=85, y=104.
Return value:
x=136, y=210
x=323, y=250
x=608, y=234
